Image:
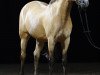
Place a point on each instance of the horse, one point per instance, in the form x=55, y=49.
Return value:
x=46, y=22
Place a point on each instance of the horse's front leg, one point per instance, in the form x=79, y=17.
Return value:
x=65, y=45
x=51, y=44
x=39, y=46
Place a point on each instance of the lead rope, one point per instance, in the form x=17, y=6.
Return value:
x=87, y=32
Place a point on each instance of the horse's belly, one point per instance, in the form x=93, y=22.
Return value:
x=37, y=31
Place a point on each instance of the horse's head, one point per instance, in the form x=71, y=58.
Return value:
x=83, y=3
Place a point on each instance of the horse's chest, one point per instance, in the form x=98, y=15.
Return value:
x=59, y=35
x=62, y=34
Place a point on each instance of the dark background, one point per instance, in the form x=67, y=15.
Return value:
x=79, y=50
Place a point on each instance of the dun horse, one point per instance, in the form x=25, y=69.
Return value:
x=46, y=22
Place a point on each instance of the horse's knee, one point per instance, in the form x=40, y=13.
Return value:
x=51, y=45
x=65, y=45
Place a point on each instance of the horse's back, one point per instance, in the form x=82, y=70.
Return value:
x=34, y=7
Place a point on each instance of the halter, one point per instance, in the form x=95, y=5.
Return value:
x=87, y=30
x=82, y=6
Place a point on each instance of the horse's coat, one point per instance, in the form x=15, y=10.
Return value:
x=45, y=22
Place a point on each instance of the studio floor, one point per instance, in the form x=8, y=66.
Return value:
x=72, y=69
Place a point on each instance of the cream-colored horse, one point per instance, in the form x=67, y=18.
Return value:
x=45, y=22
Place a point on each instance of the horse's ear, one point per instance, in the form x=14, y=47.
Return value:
x=52, y=1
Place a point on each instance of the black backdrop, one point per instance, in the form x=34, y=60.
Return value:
x=80, y=49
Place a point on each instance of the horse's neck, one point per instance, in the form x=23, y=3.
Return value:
x=63, y=8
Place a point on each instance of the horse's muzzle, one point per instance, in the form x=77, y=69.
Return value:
x=82, y=3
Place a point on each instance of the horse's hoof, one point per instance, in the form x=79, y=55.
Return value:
x=21, y=73
x=35, y=73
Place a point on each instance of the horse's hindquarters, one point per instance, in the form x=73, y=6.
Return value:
x=30, y=19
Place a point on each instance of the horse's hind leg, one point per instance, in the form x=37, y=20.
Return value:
x=65, y=45
x=39, y=46
x=24, y=40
